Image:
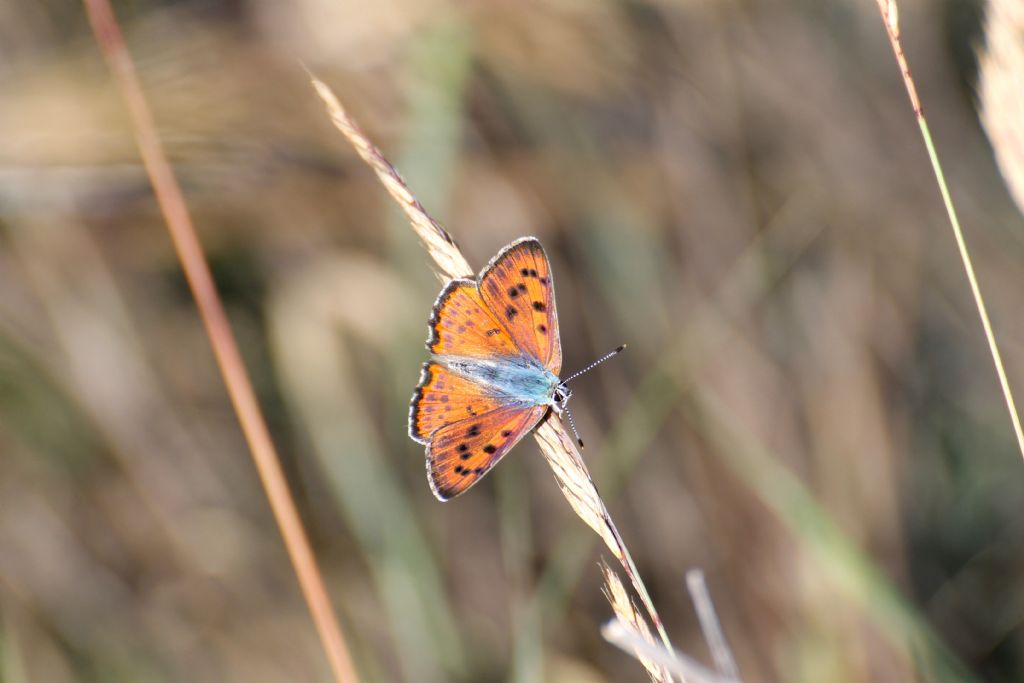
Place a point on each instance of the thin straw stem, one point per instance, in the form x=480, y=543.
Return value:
x=710, y=625
x=439, y=244
x=623, y=637
x=225, y=348
x=890, y=18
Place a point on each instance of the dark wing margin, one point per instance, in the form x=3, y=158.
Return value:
x=443, y=397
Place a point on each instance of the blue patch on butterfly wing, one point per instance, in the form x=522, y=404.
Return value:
x=520, y=379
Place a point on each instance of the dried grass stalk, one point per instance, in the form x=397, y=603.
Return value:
x=176, y=215
x=440, y=245
x=558, y=447
x=709, y=624
x=573, y=478
x=621, y=635
x=630, y=617
x=890, y=17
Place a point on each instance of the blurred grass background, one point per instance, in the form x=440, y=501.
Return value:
x=807, y=409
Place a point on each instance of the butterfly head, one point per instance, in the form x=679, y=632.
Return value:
x=562, y=393
x=560, y=397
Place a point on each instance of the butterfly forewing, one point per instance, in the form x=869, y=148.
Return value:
x=460, y=453
x=518, y=289
x=442, y=398
x=463, y=325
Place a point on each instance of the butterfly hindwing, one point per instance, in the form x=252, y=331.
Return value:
x=459, y=454
x=463, y=325
x=442, y=398
x=518, y=289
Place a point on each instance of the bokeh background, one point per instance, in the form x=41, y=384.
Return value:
x=807, y=409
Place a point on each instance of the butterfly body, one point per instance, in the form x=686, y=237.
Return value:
x=519, y=380
x=493, y=374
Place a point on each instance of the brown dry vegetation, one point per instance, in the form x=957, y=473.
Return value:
x=807, y=409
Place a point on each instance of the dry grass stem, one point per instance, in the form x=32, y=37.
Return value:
x=1001, y=72
x=574, y=480
x=439, y=243
x=225, y=348
x=891, y=19
x=558, y=447
x=622, y=635
x=629, y=616
x=710, y=625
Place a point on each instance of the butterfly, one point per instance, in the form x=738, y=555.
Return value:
x=493, y=376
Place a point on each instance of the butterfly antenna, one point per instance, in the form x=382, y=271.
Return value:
x=565, y=408
x=593, y=365
x=572, y=425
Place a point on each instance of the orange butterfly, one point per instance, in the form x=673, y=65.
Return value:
x=494, y=373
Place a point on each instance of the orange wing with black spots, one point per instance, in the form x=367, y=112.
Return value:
x=442, y=398
x=518, y=289
x=463, y=325
x=459, y=454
